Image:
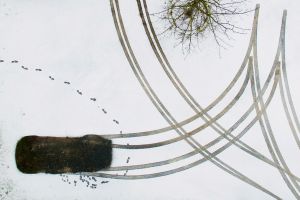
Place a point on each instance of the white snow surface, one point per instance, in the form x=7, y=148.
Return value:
x=76, y=41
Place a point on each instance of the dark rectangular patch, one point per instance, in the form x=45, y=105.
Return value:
x=56, y=155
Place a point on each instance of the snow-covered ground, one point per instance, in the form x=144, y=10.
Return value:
x=75, y=41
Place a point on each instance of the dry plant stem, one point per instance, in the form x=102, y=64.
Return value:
x=191, y=20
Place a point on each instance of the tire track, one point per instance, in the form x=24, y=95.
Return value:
x=164, y=112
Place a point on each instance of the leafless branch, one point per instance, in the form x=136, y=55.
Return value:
x=191, y=20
